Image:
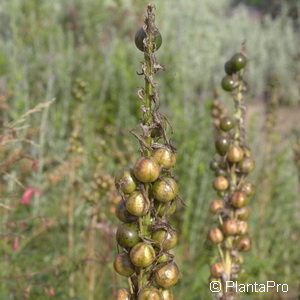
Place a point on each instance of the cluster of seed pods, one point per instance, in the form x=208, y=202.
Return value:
x=231, y=165
x=149, y=194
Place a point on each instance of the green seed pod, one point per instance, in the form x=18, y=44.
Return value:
x=246, y=165
x=167, y=276
x=127, y=235
x=123, y=265
x=125, y=181
x=214, y=165
x=238, y=62
x=228, y=83
x=222, y=145
x=137, y=205
x=163, y=258
x=165, y=157
x=227, y=123
x=150, y=293
x=123, y=214
x=141, y=35
x=142, y=255
x=146, y=169
x=165, y=189
x=166, y=240
x=165, y=209
x=228, y=68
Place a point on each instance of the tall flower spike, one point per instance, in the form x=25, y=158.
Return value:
x=232, y=164
x=149, y=191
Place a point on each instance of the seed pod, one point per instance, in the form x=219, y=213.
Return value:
x=123, y=294
x=238, y=199
x=238, y=62
x=137, y=205
x=125, y=181
x=243, y=213
x=123, y=265
x=165, y=157
x=217, y=269
x=167, y=276
x=242, y=227
x=220, y=183
x=235, y=154
x=163, y=258
x=214, y=165
x=146, y=169
x=246, y=165
x=216, y=206
x=230, y=227
x=142, y=255
x=222, y=145
x=228, y=83
x=165, y=189
x=166, y=240
x=127, y=235
x=165, y=209
x=150, y=293
x=244, y=243
x=167, y=295
x=215, y=235
x=248, y=188
x=123, y=214
x=220, y=172
x=141, y=35
x=227, y=123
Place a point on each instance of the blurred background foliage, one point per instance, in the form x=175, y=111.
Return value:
x=47, y=45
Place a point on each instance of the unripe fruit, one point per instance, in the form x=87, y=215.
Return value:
x=167, y=276
x=228, y=68
x=248, y=188
x=228, y=83
x=142, y=255
x=217, y=269
x=146, y=169
x=214, y=165
x=227, y=124
x=220, y=183
x=141, y=35
x=222, y=145
x=230, y=227
x=123, y=265
x=242, y=227
x=235, y=154
x=166, y=240
x=165, y=189
x=244, y=243
x=243, y=213
x=165, y=257
x=215, y=235
x=127, y=235
x=238, y=199
x=167, y=295
x=165, y=157
x=220, y=172
x=123, y=294
x=238, y=62
x=137, y=205
x=216, y=206
x=125, y=181
x=165, y=209
x=123, y=214
x=246, y=165
x=150, y=293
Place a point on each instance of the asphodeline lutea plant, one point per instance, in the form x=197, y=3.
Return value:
x=149, y=191
x=231, y=165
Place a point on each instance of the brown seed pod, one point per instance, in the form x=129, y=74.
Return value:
x=246, y=165
x=146, y=169
x=167, y=295
x=142, y=255
x=166, y=240
x=248, y=188
x=165, y=189
x=125, y=181
x=166, y=158
x=150, y=293
x=235, y=154
x=215, y=235
x=137, y=205
x=216, y=206
x=217, y=269
x=123, y=294
x=167, y=276
x=230, y=227
x=123, y=214
x=243, y=213
x=238, y=199
x=242, y=227
x=244, y=243
x=220, y=183
x=123, y=265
